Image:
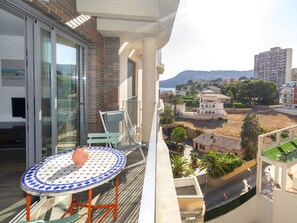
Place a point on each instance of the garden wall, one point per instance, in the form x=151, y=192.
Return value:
x=244, y=167
x=237, y=110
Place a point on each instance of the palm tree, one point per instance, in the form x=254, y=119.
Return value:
x=180, y=167
x=176, y=99
x=213, y=165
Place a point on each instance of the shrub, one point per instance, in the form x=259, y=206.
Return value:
x=199, y=132
x=241, y=105
x=285, y=134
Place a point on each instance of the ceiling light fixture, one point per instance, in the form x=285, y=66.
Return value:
x=77, y=21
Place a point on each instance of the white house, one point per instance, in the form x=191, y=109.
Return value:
x=211, y=103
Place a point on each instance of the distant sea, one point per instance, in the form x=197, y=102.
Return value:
x=166, y=89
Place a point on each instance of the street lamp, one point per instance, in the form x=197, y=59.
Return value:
x=250, y=186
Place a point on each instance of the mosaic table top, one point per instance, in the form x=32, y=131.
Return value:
x=58, y=175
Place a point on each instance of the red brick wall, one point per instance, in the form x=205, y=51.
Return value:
x=103, y=59
x=111, y=74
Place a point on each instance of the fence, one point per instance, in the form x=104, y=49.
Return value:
x=224, y=209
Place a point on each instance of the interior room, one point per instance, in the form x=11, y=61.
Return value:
x=12, y=113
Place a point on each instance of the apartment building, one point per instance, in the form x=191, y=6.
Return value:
x=288, y=95
x=274, y=65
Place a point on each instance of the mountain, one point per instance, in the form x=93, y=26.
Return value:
x=185, y=76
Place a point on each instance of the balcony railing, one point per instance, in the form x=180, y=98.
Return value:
x=148, y=199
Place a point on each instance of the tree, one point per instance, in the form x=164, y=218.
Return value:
x=250, y=130
x=230, y=94
x=176, y=99
x=167, y=116
x=178, y=135
x=266, y=91
x=180, y=167
x=212, y=163
x=241, y=78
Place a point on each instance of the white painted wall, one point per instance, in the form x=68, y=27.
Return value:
x=260, y=209
x=11, y=47
x=287, y=111
x=285, y=207
x=264, y=209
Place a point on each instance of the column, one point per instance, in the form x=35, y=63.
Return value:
x=149, y=79
x=276, y=175
x=278, y=134
x=284, y=178
x=259, y=175
x=291, y=133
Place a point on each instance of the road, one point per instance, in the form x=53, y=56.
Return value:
x=216, y=196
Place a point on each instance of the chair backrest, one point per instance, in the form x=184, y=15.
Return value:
x=110, y=139
x=119, y=122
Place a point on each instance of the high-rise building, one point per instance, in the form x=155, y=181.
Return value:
x=274, y=65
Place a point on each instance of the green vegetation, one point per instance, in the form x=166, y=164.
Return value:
x=250, y=130
x=191, y=101
x=176, y=99
x=191, y=87
x=247, y=91
x=180, y=167
x=179, y=136
x=194, y=157
x=217, y=164
x=167, y=116
x=199, y=132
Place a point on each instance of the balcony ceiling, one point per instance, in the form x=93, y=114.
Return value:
x=132, y=20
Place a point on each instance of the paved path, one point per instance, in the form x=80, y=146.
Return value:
x=187, y=152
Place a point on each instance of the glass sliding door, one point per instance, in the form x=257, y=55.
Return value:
x=68, y=61
x=43, y=89
x=46, y=86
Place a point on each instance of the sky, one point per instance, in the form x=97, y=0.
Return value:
x=226, y=34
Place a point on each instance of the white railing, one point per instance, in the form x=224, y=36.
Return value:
x=148, y=199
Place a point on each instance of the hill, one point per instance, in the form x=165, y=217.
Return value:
x=185, y=76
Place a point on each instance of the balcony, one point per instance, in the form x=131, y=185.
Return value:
x=277, y=161
x=146, y=192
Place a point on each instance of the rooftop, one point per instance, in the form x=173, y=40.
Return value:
x=221, y=141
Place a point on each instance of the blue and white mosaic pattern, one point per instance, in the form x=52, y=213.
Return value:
x=58, y=175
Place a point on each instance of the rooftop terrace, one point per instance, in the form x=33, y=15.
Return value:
x=286, y=152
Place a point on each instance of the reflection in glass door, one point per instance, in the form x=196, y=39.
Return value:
x=68, y=67
x=45, y=72
x=42, y=90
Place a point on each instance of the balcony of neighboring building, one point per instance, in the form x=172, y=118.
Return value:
x=277, y=157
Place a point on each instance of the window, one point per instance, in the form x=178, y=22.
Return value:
x=131, y=76
x=202, y=147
